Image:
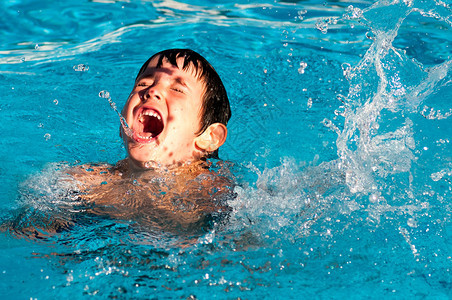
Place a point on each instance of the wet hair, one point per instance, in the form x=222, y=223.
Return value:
x=215, y=106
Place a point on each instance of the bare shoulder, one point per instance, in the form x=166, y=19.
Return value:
x=90, y=177
x=203, y=178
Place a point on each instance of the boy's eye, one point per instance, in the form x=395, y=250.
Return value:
x=177, y=90
x=142, y=84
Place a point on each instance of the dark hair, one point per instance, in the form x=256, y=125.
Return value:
x=215, y=106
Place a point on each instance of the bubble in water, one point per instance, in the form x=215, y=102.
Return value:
x=302, y=67
x=47, y=136
x=55, y=101
x=81, y=68
x=36, y=47
x=22, y=59
x=309, y=104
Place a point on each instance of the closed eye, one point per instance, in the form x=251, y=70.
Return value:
x=177, y=90
x=145, y=82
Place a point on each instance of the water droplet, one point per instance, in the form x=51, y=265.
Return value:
x=340, y=111
x=341, y=98
x=346, y=68
x=370, y=35
x=329, y=124
x=302, y=67
x=309, y=104
x=81, y=68
x=104, y=94
x=40, y=125
x=353, y=13
x=301, y=13
x=47, y=136
x=322, y=25
x=373, y=198
x=22, y=59
x=55, y=101
x=36, y=47
x=437, y=176
x=412, y=222
x=408, y=3
x=152, y=164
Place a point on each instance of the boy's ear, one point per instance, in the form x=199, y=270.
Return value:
x=212, y=138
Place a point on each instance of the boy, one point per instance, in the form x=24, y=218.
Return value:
x=176, y=117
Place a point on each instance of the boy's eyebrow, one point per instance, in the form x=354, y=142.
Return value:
x=180, y=81
x=145, y=76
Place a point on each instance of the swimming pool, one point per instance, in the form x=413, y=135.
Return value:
x=340, y=142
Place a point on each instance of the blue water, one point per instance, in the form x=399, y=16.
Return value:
x=340, y=143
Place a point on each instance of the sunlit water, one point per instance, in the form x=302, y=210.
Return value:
x=339, y=144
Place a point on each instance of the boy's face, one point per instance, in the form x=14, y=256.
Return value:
x=163, y=110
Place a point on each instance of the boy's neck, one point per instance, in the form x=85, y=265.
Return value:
x=129, y=166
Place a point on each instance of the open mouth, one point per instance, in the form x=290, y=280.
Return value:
x=148, y=126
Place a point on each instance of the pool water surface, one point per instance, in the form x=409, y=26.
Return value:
x=339, y=144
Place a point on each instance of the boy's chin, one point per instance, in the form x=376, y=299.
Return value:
x=147, y=156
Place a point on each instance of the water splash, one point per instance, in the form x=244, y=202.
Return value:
x=432, y=114
x=127, y=130
x=386, y=89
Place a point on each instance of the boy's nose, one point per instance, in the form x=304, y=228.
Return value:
x=152, y=92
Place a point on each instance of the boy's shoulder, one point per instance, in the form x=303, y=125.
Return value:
x=196, y=179
x=93, y=174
